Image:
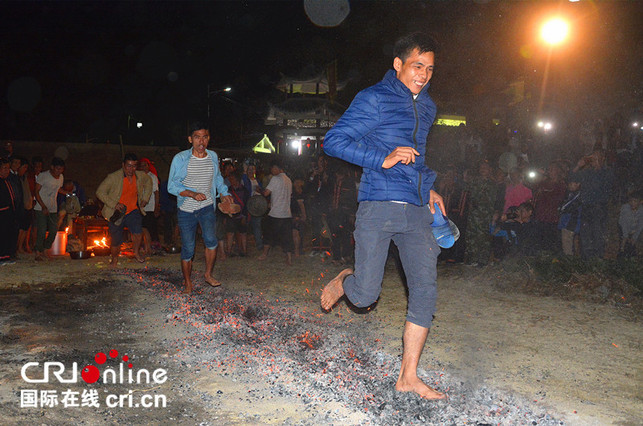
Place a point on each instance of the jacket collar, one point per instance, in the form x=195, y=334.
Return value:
x=390, y=78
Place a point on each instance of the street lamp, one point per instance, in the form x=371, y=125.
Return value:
x=215, y=92
x=554, y=31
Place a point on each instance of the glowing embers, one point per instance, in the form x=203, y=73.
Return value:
x=310, y=341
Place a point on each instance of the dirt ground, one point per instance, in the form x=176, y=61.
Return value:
x=579, y=361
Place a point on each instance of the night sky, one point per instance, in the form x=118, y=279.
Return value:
x=76, y=71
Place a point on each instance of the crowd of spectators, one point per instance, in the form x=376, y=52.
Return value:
x=511, y=196
x=505, y=197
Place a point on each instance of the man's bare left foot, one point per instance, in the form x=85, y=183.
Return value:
x=419, y=387
x=334, y=290
x=210, y=280
x=187, y=289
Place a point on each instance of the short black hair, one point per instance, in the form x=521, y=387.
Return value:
x=418, y=40
x=636, y=194
x=37, y=159
x=56, y=161
x=276, y=163
x=130, y=156
x=197, y=125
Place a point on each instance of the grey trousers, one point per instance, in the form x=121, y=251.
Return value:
x=409, y=226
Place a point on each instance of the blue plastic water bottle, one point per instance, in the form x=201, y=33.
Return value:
x=441, y=229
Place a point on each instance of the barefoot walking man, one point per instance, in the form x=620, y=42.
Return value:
x=384, y=131
x=196, y=180
x=127, y=192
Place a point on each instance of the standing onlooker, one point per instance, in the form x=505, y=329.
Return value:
x=253, y=187
x=482, y=197
x=548, y=197
x=7, y=150
x=48, y=184
x=125, y=194
x=36, y=168
x=298, y=210
x=196, y=181
x=15, y=164
x=630, y=221
x=450, y=186
x=236, y=224
x=318, y=190
x=516, y=192
x=595, y=190
x=341, y=217
x=279, y=220
x=24, y=222
x=152, y=208
x=569, y=221
x=8, y=203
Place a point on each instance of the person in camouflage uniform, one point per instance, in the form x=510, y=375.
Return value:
x=482, y=196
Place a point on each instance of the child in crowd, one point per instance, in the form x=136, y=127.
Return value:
x=569, y=221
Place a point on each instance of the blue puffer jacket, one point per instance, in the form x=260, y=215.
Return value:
x=381, y=118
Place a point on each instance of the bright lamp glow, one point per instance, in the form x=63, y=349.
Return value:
x=635, y=124
x=139, y=125
x=295, y=144
x=547, y=126
x=555, y=31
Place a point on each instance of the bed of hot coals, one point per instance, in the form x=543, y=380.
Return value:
x=298, y=351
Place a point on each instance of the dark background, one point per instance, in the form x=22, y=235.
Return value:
x=88, y=71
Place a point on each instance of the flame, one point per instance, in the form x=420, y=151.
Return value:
x=67, y=230
x=101, y=243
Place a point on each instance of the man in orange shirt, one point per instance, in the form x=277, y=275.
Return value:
x=125, y=194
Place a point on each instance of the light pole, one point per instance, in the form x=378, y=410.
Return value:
x=553, y=32
x=215, y=92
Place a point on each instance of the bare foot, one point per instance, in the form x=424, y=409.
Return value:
x=113, y=262
x=39, y=257
x=261, y=257
x=334, y=290
x=418, y=386
x=188, y=288
x=210, y=280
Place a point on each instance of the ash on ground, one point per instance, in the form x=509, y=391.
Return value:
x=301, y=352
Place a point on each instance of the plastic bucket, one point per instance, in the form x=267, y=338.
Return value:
x=59, y=246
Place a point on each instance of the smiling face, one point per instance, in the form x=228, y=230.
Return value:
x=56, y=171
x=199, y=140
x=416, y=71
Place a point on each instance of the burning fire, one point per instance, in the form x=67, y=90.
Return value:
x=101, y=243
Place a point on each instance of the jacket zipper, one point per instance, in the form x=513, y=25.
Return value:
x=415, y=130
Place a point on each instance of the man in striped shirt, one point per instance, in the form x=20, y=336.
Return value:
x=196, y=181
